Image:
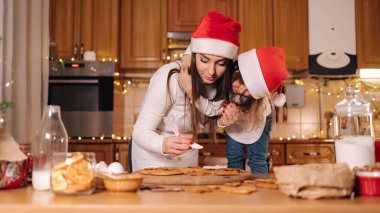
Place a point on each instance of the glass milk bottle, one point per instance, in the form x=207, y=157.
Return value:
x=353, y=129
x=50, y=137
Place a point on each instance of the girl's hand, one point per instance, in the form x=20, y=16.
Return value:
x=186, y=60
x=239, y=88
x=230, y=115
x=184, y=80
x=177, y=145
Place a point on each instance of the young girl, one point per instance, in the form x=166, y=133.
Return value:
x=259, y=73
x=166, y=110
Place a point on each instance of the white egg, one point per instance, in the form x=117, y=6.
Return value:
x=115, y=168
x=101, y=167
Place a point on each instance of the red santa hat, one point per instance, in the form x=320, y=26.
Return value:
x=217, y=34
x=263, y=71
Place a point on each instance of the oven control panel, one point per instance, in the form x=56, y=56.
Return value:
x=81, y=68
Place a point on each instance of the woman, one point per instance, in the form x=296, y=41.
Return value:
x=166, y=110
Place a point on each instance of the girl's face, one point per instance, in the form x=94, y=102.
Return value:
x=210, y=67
x=238, y=86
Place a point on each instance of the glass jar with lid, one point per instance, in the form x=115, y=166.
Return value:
x=353, y=130
x=73, y=173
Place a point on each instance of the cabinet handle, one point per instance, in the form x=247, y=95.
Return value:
x=311, y=153
x=117, y=155
x=81, y=51
x=75, y=51
x=207, y=154
x=164, y=55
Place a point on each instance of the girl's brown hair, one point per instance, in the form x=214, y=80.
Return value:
x=255, y=107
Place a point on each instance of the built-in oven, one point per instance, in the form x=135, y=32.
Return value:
x=84, y=90
x=177, y=44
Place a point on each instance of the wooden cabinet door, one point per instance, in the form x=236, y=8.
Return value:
x=256, y=19
x=276, y=153
x=93, y=23
x=281, y=23
x=122, y=156
x=291, y=32
x=64, y=26
x=310, y=153
x=99, y=27
x=143, y=33
x=185, y=15
x=103, y=151
x=211, y=152
x=368, y=33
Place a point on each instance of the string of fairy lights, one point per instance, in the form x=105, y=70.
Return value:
x=370, y=91
x=367, y=89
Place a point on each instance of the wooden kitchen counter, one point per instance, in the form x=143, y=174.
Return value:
x=28, y=200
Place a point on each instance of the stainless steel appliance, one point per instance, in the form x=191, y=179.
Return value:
x=84, y=90
x=177, y=44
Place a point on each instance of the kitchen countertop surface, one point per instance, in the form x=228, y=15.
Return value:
x=28, y=200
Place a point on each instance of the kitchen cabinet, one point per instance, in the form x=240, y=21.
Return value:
x=91, y=23
x=122, y=154
x=276, y=154
x=281, y=23
x=185, y=15
x=310, y=153
x=368, y=33
x=143, y=34
x=212, y=153
x=279, y=152
x=103, y=151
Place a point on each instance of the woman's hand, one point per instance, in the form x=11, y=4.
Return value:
x=177, y=145
x=184, y=79
x=239, y=88
x=230, y=115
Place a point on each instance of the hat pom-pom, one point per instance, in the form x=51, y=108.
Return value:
x=279, y=99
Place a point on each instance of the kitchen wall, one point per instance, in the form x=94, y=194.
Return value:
x=313, y=120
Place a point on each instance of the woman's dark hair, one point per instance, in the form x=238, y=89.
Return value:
x=223, y=92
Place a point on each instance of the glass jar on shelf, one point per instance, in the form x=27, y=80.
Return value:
x=50, y=137
x=353, y=130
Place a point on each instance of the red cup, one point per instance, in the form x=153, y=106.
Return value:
x=369, y=183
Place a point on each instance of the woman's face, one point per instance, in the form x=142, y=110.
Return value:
x=210, y=67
